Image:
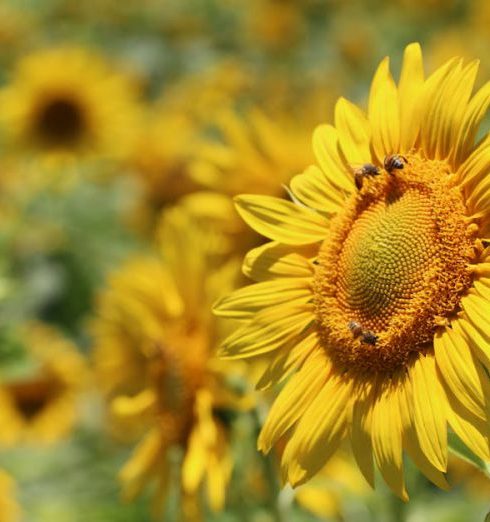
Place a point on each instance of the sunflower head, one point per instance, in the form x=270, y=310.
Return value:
x=373, y=288
x=39, y=403
x=66, y=100
x=154, y=342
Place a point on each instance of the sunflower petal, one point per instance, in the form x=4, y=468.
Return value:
x=270, y=329
x=360, y=433
x=281, y=220
x=387, y=439
x=475, y=307
x=325, y=147
x=245, y=302
x=293, y=400
x=318, y=433
x=313, y=189
x=290, y=359
x=273, y=260
x=471, y=432
x=459, y=371
x=410, y=88
x=353, y=132
x=411, y=441
x=474, y=114
x=428, y=413
x=383, y=112
x=433, y=125
x=475, y=167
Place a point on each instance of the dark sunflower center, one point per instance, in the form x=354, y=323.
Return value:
x=32, y=396
x=394, y=266
x=60, y=122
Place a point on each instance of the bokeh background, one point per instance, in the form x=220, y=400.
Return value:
x=125, y=130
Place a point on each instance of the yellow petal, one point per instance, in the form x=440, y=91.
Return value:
x=411, y=441
x=314, y=190
x=319, y=431
x=475, y=167
x=478, y=200
x=428, y=411
x=410, y=88
x=281, y=220
x=460, y=372
x=273, y=260
x=326, y=149
x=471, y=431
x=353, y=132
x=270, y=329
x=478, y=341
x=293, y=400
x=194, y=465
x=361, y=427
x=387, y=438
x=383, y=112
x=434, y=123
x=412, y=447
x=288, y=360
x=475, y=308
x=245, y=302
x=472, y=118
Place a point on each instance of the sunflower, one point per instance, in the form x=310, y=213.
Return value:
x=67, y=100
x=9, y=508
x=39, y=405
x=374, y=296
x=154, y=340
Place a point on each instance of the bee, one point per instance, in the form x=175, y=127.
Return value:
x=366, y=170
x=368, y=337
x=394, y=161
x=355, y=328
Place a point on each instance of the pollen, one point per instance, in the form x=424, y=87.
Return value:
x=396, y=263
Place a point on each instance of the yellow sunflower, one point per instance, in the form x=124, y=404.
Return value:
x=67, y=100
x=9, y=508
x=154, y=340
x=375, y=295
x=39, y=405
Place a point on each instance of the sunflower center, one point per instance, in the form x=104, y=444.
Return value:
x=394, y=266
x=60, y=122
x=176, y=372
x=32, y=396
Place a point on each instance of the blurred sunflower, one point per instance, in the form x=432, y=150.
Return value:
x=375, y=295
x=254, y=154
x=66, y=100
x=9, y=508
x=154, y=343
x=39, y=405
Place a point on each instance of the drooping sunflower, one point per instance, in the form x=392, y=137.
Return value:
x=39, y=404
x=374, y=297
x=67, y=100
x=154, y=343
